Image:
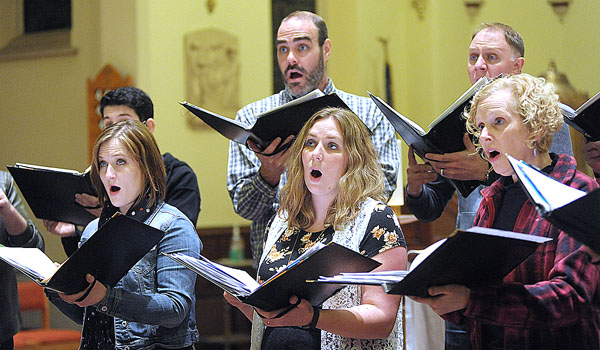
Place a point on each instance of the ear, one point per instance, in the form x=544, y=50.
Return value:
x=150, y=124
x=326, y=50
x=518, y=65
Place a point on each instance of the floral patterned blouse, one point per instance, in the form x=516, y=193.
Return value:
x=383, y=233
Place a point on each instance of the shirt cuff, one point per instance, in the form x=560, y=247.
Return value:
x=22, y=238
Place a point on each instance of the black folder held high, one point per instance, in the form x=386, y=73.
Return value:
x=50, y=192
x=573, y=211
x=108, y=255
x=586, y=118
x=282, y=121
x=445, y=132
x=275, y=293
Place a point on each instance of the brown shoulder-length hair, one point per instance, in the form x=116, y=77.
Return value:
x=363, y=178
x=134, y=137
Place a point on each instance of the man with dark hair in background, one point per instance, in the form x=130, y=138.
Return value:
x=128, y=103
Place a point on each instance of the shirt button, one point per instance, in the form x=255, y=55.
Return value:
x=126, y=347
x=124, y=323
x=104, y=309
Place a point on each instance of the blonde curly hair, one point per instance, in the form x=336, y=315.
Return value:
x=534, y=100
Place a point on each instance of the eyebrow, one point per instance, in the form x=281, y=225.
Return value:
x=296, y=39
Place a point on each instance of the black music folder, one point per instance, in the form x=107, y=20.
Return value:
x=586, y=118
x=50, y=192
x=108, y=255
x=474, y=257
x=282, y=121
x=445, y=133
x=275, y=293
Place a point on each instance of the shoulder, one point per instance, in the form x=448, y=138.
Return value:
x=173, y=164
x=167, y=216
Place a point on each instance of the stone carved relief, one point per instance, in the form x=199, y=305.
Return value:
x=212, y=72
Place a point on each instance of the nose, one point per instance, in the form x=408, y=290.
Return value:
x=484, y=135
x=291, y=58
x=480, y=64
x=110, y=172
x=318, y=153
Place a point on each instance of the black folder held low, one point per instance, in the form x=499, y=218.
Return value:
x=108, y=255
x=275, y=293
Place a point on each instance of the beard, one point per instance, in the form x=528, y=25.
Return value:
x=312, y=78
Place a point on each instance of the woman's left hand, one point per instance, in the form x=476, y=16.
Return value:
x=300, y=315
x=445, y=299
x=94, y=297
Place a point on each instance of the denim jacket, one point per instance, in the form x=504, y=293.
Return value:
x=154, y=304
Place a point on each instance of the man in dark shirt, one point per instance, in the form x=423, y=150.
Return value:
x=128, y=103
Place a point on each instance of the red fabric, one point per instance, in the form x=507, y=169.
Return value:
x=551, y=300
x=45, y=336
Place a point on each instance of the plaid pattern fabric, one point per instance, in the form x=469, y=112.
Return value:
x=551, y=300
x=255, y=200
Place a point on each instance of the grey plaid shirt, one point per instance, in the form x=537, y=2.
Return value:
x=256, y=200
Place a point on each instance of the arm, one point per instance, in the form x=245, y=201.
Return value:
x=15, y=221
x=182, y=188
x=433, y=200
x=251, y=195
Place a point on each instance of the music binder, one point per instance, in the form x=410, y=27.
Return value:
x=50, y=192
x=585, y=119
x=275, y=293
x=281, y=121
x=474, y=257
x=445, y=133
x=572, y=210
x=108, y=255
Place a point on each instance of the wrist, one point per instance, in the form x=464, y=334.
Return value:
x=315, y=318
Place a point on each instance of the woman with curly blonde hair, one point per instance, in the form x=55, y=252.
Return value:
x=551, y=300
x=334, y=193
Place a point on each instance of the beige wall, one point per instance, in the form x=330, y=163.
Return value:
x=42, y=101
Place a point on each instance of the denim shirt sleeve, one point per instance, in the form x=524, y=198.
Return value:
x=169, y=287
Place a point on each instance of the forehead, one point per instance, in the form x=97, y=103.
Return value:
x=499, y=101
x=112, y=147
x=489, y=39
x=121, y=111
x=328, y=127
x=295, y=29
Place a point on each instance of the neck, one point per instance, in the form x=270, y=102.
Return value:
x=320, y=205
x=540, y=161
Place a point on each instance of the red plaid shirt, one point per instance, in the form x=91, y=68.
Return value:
x=552, y=299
